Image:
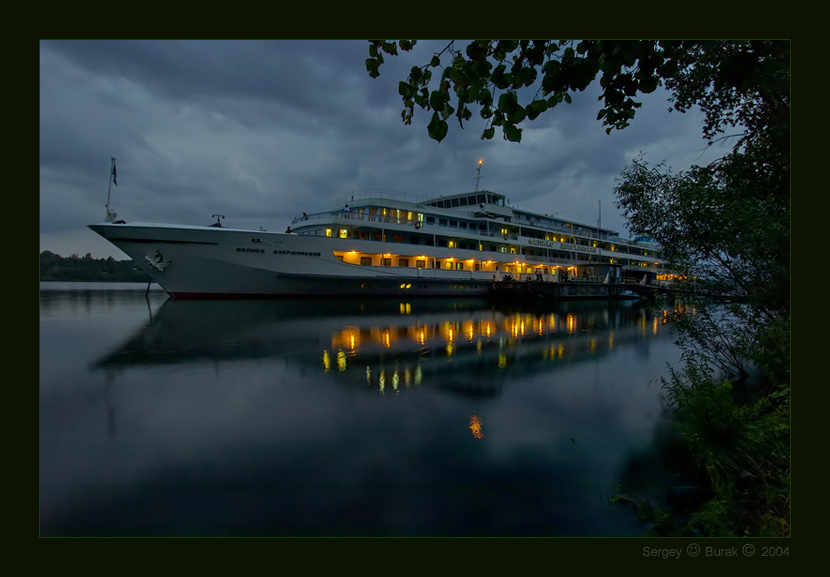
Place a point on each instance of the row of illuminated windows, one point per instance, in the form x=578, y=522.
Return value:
x=448, y=264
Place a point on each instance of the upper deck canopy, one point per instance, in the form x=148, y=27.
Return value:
x=477, y=198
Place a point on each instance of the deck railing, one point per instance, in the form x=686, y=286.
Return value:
x=362, y=216
x=381, y=194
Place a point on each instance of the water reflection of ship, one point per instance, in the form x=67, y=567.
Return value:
x=468, y=346
x=478, y=352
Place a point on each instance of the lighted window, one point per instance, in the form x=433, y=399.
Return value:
x=459, y=266
x=328, y=232
x=448, y=265
x=344, y=233
x=420, y=263
x=452, y=244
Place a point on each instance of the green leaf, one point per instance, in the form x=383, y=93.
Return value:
x=406, y=90
x=527, y=76
x=516, y=115
x=372, y=67
x=512, y=133
x=481, y=69
x=507, y=100
x=447, y=111
x=499, y=78
x=437, y=99
x=488, y=133
x=536, y=108
x=649, y=84
x=437, y=128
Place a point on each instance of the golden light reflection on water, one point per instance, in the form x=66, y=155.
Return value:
x=395, y=353
x=571, y=322
x=476, y=426
x=341, y=361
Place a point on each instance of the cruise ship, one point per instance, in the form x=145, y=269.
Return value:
x=382, y=243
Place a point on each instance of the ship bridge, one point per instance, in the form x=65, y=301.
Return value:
x=481, y=203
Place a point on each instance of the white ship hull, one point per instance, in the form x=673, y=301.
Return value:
x=208, y=262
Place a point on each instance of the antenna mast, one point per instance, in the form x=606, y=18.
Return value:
x=478, y=173
x=111, y=213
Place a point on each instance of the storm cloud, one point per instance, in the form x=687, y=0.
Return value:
x=261, y=131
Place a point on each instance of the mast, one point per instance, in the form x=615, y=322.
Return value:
x=478, y=173
x=111, y=213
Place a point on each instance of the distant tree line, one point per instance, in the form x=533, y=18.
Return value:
x=54, y=267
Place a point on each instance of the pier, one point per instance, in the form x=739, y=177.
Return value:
x=544, y=290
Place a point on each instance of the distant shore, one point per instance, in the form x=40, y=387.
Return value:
x=55, y=268
x=97, y=285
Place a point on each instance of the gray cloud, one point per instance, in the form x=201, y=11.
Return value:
x=261, y=131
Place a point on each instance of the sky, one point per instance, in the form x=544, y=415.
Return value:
x=262, y=131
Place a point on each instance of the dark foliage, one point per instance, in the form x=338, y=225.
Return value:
x=54, y=267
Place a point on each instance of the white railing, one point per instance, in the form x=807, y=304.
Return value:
x=381, y=194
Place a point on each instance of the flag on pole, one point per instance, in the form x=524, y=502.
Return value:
x=114, y=175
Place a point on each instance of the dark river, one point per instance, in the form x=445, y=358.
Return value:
x=432, y=418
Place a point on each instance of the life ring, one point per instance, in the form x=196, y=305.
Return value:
x=418, y=224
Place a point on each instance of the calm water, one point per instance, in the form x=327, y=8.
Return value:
x=350, y=418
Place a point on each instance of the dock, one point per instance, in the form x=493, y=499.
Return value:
x=542, y=290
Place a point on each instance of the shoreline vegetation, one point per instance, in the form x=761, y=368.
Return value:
x=85, y=268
